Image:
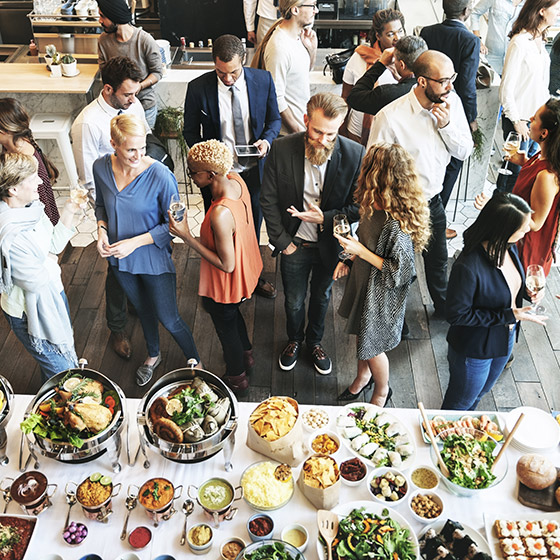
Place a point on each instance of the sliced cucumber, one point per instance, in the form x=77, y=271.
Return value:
x=106, y=480
x=96, y=477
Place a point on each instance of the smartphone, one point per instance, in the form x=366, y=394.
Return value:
x=246, y=151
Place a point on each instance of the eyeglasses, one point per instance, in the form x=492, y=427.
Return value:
x=443, y=81
x=192, y=173
x=313, y=6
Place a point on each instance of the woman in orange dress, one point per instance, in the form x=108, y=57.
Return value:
x=231, y=261
x=539, y=185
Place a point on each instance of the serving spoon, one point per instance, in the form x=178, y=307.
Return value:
x=70, y=500
x=188, y=507
x=131, y=502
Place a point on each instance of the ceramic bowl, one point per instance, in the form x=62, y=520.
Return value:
x=353, y=482
x=301, y=529
x=382, y=472
x=237, y=540
x=417, y=470
x=328, y=433
x=254, y=537
x=434, y=497
x=200, y=549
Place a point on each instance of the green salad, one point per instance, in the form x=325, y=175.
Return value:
x=469, y=460
x=272, y=551
x=365, y=536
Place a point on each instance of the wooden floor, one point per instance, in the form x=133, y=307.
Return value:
x=418, y=365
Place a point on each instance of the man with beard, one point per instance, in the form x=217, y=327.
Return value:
x=121, y=38
x=430, y=123
x=91, y=139
x=310, y=177
x=288, y=52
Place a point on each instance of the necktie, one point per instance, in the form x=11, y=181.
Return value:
x=120, y=112
x=238, y=127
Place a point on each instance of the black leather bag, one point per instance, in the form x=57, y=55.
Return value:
x=337, y=63
x=156, y=150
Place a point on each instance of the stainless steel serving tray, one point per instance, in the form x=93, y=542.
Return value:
x=187, y=452
x=108, y=439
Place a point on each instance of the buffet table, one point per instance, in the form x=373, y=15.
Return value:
x=104, y=540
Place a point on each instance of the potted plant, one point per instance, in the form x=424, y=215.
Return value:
x=169, y=125
x=56, y=68
x=50, y=51
x=69, y=65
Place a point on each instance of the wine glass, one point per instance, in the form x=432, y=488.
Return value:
x=511, y=147
x=535, y=280
x=341, y=226
x=177, y=207
x=79, y=196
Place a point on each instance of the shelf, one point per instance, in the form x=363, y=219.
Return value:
x=364, y=24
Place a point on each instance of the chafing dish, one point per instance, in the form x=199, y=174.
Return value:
x=108, y=441
x=5, y=413
x=223, y=438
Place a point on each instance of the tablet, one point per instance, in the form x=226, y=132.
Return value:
x=246, y=151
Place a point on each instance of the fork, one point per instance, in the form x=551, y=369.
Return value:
x=328, y=528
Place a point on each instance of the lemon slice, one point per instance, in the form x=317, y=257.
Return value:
x=95, y=477
x=174, y=405
x=106, y=480
x=496, y=435
x=71, y=384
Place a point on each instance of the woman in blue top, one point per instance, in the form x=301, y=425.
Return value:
x=485, y=300
x=133, y=192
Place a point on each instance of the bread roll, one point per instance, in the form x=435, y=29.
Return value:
x=557, y=494
x=536, y=471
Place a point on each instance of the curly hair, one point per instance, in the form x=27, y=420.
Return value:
x=213, y=155
x=14, y=169
x=388, y=181
x=380, y=19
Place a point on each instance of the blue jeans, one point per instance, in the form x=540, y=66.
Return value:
x=51, y=362
x=151, y=115
x=155, y=298
x=296, y=269
x=435, y=256
x=471, y=378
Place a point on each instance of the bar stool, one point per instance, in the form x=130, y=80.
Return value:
x=55, y=126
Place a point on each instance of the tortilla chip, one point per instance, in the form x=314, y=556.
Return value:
x=273, y=418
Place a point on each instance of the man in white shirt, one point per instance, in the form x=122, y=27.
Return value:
x=268, y=13
x=430, y=123
x=91, y=139
x=289, y=54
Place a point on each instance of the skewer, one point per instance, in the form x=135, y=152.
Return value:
x=442, y=465
x=507, y=442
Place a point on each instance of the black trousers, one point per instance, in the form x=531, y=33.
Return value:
x=115, y=303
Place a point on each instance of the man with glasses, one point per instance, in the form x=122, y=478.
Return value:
x=462, y=46
x=430, y=123
x=236, y=105
x=288, y=53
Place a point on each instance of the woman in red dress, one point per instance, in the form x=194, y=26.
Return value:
x=539, y=184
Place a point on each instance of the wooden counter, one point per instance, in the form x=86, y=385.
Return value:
x=35, y=78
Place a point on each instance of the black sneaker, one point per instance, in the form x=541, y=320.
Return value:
x=289, y=356
x=320, y=359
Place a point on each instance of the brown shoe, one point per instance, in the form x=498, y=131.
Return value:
x=120, y=343
x=450, y=233
x=266, y=289
x=248, y=359
x=239, y=384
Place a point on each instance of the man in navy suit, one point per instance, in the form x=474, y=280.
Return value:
x=310, y=177
x=238, y=106
x=462, y=46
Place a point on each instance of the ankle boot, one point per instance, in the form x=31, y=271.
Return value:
x=239, y=384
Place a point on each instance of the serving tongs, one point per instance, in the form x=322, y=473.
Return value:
x=507, y=442
x=131, y=502
x=442, y=465
x=328, y=528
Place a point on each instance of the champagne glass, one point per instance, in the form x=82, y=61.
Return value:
x=177, y=207
x=79, y=196
x=511, y=147
x=341, y=226
x=535, y=280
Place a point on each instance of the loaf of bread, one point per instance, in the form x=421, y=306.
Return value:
x=536, y=472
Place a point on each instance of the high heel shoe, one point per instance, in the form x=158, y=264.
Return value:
x=346, y=395
x=389, y=395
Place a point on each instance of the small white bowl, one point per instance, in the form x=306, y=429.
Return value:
x=301, y=529
x=332, y=435
x=382, y=471
x=237, y=540
x=428, y=468
x=353, y=482
x=200, y=549
x=434, y=496
x=315, y=418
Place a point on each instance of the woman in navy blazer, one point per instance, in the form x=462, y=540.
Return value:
x=485, y=301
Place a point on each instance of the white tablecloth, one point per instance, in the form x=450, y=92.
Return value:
x=104, y=540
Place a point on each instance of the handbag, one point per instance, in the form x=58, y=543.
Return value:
x=337, y=63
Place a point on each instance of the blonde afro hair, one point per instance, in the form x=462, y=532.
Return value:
x=212, y=155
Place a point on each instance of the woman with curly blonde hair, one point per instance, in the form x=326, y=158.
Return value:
x=394, y=222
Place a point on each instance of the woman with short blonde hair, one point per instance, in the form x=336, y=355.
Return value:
x=394, y=223
x=133, y=193
x=33, y=298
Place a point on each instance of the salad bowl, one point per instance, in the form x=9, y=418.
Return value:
x=478, y=447
x=270, y=548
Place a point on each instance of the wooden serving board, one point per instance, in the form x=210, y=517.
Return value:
x=540, y=499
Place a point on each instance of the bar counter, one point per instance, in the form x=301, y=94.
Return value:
x=104, y=540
